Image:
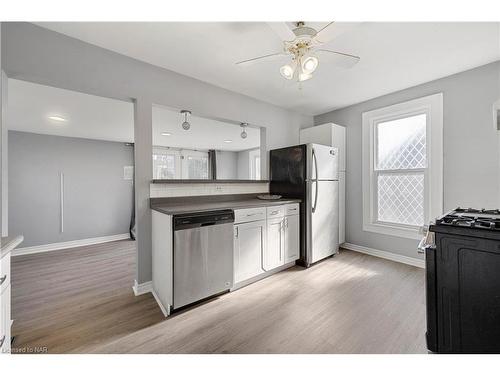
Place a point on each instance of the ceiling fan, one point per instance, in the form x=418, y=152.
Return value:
x=303, y=45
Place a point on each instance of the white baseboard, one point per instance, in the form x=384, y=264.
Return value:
x=385, y=254
x=68, y=244
x=143, y=288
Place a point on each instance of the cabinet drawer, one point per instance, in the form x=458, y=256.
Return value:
x=275, y=211
x=292, y=209
x=249, y=214
x=5, y=272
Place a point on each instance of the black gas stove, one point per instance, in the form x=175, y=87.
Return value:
x=471, y=218
x=462, y=256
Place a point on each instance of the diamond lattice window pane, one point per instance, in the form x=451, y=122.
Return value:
x=401, y=198
x=401, y=143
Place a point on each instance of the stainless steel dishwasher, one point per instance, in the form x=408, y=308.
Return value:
x=203, y=255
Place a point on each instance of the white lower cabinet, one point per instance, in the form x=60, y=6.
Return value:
x=5, y=321
x=269, y=241
x=292, y=238
x=274, y=255
x=249, y=248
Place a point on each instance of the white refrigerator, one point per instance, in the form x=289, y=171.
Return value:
x=335, y=136
x=310, y=172
x=322, y=192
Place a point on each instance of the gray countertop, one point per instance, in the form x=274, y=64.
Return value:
x=173, y=206
x=9, y=243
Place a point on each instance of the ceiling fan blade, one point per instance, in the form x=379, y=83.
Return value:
x=272, y=56
x=343, y=60
x=282, y=30
x=333, y=30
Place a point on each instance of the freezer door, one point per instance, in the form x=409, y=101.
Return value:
x=288, y=171
x=323, y=223
x=322, y=163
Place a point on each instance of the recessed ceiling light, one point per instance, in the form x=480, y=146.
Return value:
x=228, y=140
x=166, y=133
x=57, y=118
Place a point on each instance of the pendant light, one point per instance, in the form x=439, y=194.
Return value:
x=186, y=125
x=244, y=134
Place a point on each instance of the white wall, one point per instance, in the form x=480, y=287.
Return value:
x=471, y=153
x=227, y=165
x=38, y=55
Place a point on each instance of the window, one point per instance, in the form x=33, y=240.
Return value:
x=402, y=166
x=179, y=164
x=196, y=166
x=165, y=163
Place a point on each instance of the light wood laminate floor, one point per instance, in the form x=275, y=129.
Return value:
x=81, y=301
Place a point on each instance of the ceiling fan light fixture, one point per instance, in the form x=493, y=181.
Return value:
x=287, y=71
x=186, y=125
x=304, y=76
x=309, y=64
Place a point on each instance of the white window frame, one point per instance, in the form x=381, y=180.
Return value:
x=432, y=106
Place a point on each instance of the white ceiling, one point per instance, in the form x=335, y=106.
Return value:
x=94, y=117
x=394, y=56
x=29, y=105
x=204, y=133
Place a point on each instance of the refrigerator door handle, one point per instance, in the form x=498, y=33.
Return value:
x=315, y=161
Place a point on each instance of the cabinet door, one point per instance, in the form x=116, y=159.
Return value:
x=249, y=245
x=274, y=254
x=292, y=238
x=5, y=321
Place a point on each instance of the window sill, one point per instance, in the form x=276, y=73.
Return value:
x=396, y=231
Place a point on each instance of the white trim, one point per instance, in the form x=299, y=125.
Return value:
x=164, y=310
x=431, y=105
x=143, y=288
x=69, y=244
x=385, y=254
x=147, y=287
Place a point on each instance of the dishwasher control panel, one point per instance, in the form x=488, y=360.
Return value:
x=201, y=219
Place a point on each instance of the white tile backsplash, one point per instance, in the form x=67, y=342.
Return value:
x=187, y=189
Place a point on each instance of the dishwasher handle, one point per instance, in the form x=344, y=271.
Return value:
x=207, y=224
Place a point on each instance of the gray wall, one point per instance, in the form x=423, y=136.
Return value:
x=97, y=200
x=227, y=165
x=471, y=153
x=38, y=55
x=3, y=149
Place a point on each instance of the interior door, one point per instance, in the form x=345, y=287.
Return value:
x=275, y=244
x=249, y=245
x=292, y=238
x=324, y=221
